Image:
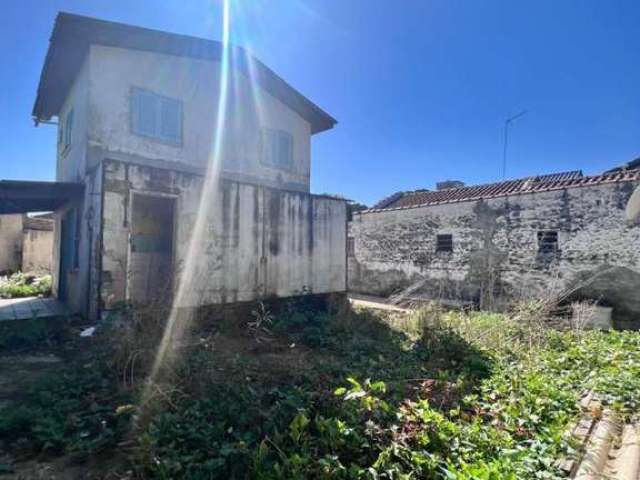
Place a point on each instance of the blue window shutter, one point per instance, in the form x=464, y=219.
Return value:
x=273, y=148
x=68, y=128
x=284, y=149
x=147, y=113
x=156, y=116
x=276, y=148
x=144, y=113
x=170, y=119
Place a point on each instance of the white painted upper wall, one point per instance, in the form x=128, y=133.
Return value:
x=71, y=159
x=114, y=72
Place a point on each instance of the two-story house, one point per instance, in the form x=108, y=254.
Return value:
x=170, y=194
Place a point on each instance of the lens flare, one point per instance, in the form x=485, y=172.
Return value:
x=181, y=315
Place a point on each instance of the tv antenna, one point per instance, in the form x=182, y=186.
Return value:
x=507, y=124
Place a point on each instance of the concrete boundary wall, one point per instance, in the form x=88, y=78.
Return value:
x=496, y=256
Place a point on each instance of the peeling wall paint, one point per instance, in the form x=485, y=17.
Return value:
x=495, y=256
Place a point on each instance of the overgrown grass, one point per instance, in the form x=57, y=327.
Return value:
x=348, y=395
x=75, y=412
x=30, y=333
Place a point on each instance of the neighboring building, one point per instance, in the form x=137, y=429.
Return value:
x=137, y=114
x=10, y=243
x=490, y=244
x=37, y=243
x=26, y=243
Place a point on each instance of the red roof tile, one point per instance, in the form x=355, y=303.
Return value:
x=542, y=183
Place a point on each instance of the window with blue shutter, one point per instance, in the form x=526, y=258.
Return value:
x=276, y=148
x=155, y=116
x=68, y=129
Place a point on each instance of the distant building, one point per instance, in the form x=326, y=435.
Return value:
x=491, y=244
x=26, y=243
x=137, y=114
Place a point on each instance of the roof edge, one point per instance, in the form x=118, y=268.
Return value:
x=586, y=181
x=87, y=31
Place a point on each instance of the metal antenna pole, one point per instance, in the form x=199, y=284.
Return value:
x=507, y=124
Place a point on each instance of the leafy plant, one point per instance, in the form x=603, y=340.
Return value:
x=23, y=285
x=260, y=325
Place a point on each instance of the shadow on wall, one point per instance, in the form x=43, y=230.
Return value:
x=616, y=287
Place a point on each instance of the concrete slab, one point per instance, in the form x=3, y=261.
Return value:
x=369, y=301
x=31, y=307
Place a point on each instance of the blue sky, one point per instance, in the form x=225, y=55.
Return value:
x=420, y=88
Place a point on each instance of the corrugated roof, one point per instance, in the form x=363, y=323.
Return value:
x=541, y=183
x=554, y=177
x=632, y=165
x=73, y=34
x=385, y=202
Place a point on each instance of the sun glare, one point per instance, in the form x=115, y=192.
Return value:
x=181, y=315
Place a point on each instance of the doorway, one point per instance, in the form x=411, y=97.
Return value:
x=151, y=249
x=69, y=239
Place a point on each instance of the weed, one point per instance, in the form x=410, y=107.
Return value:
x=73, y=412
x=461, y=396
x=260, y=326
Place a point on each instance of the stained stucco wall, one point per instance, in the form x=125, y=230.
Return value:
x=10, y=242
x=495, y=248
x=37, y=250
x=113, y=74
x=37, y=244
x=254, y=241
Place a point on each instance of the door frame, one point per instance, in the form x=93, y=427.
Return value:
x=174, y=223
x=66, y=254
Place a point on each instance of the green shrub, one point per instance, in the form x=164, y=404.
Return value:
x=21, y=285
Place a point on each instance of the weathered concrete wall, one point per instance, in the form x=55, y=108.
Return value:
x=72, y=166
x=100, y=99
x=254, y=242
x=82, y=280
x=196, y=83
x=10, y=242
x=495, y=248
x=37, y=245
